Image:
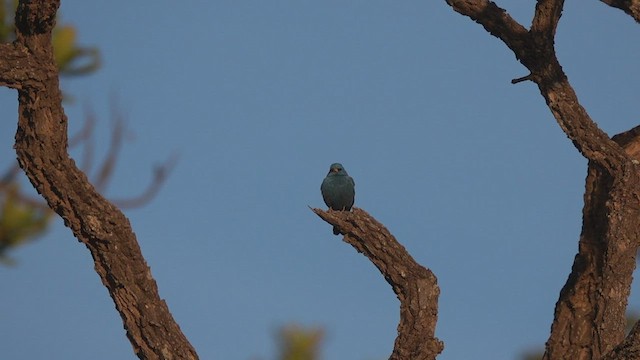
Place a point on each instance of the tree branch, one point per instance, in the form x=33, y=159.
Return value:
x=545, y=20
x=160, y=173
x=415, y=286
x=116, y=138
x=590, y=313
x=630, y=7
x=495, y=20
x=14, y=69
x=84, y=137
x=535, y=50
x=41, y=146
x=629, y=349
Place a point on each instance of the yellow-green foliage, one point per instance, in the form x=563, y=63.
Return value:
x=20, y=221
x=71, y=58
x=297, y=343
x=7, y=9
x=64, y=44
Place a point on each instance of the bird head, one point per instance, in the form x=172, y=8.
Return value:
x=337, y=169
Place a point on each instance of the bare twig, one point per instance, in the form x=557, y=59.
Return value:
x=522, y=79
x=117, y=136
x=160, y=174
x=84, y=138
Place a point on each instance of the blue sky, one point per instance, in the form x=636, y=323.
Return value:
x=470, y=173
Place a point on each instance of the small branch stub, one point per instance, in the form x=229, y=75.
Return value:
x=522, y=79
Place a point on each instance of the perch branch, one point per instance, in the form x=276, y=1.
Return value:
x=415, y=286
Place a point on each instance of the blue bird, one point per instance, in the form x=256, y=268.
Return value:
x=338, y=190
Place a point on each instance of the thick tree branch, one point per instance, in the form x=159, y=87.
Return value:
x=590, y=313
x=16, y=64
x=535, y=50
x=630, y=7
x=41, y=146
x=495, y=20
x=415, y=286
x=587, y=137
x=630, y=142
x=545, y=20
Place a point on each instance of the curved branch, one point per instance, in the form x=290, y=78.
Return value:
x=84, y=137
x=160, y=173
x=116, y=138
x=593, y=143
x=41, y=146
x=630, y=7
x=495, y=20
x=416, y=287
x=535, y=50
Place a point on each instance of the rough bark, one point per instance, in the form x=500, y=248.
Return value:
x=629, y=349
x=416, y=287
x=590, y=313
x=41, y=145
